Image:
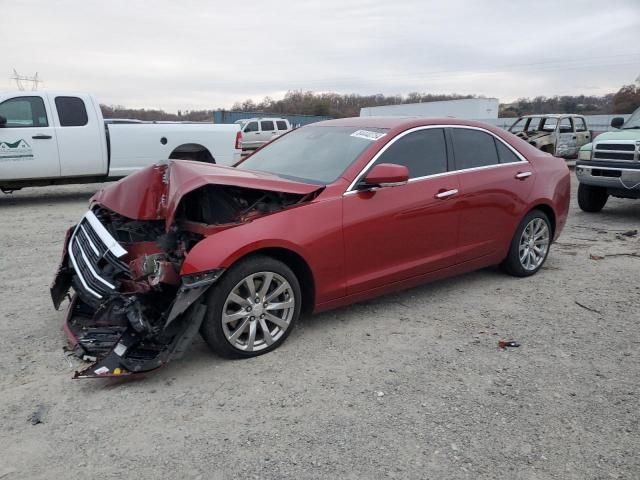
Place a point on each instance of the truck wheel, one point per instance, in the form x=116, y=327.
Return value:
x=253, y=308
x=592, y=199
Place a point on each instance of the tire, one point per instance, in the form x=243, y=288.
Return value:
x=530, y=245
x=592, y=199
x=232, y=318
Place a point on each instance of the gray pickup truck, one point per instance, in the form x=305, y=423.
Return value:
x=610, y=165
x=560, y=135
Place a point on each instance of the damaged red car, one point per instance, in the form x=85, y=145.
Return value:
x=329, y=214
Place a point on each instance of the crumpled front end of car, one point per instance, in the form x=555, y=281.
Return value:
x=131, y=309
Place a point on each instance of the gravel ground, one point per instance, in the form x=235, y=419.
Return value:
x=410, y=385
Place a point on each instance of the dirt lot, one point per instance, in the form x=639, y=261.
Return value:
x=411, y=385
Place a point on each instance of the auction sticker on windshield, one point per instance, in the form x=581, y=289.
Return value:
x=368, y=135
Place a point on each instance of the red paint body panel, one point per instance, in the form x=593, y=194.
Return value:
x=491, y=203
x=394, y=233
x=138, y=196
x=146, y=196
x=364, y=244
x=313, y=231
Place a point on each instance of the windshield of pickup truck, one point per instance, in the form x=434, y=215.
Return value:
x=633, y=122
x=313, y=154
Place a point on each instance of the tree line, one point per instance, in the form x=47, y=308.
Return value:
x=336, y=105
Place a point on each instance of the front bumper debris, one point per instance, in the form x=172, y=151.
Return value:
x=127, y=314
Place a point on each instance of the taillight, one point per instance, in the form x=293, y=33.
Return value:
x=238, y=140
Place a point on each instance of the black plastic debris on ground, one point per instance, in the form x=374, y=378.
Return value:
x=38, y=416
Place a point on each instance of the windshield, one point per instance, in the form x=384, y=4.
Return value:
x=518, y=126
x=633, y=122
x=313, y=154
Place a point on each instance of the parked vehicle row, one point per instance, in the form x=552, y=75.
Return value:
x=327, y=215
x=49, y=138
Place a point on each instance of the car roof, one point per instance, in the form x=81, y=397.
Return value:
x=552, y=115
x=255, y=119
x=399, y=123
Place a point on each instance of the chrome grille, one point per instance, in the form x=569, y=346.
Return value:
x=95, y=256
x=618, y=150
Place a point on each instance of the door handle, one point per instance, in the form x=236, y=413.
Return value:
x=42, y=137
x=446, y=194
x=522, y=175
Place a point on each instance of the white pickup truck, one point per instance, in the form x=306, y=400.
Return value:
x=51, y=138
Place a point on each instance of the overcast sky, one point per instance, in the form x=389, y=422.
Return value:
x=196, y=54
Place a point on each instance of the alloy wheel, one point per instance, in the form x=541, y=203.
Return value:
x=258, y=311
x=534, y=244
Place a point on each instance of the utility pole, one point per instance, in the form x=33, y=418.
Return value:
x=19, y=79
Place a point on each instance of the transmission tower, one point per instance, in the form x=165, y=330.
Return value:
x=19, y=79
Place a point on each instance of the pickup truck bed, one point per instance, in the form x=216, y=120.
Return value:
x=59, y=138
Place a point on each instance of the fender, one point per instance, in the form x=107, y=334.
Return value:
x=554, y=193
x=310, y=232
x=221, y=250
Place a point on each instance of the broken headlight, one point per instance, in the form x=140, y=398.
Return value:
x=200, y=279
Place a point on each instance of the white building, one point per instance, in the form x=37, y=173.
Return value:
x=467, y=108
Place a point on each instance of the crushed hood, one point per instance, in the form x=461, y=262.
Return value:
x=154, y=192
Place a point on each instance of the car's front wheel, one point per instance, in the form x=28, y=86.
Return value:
x=591, y=199
x=529, y=246
x=252, y=309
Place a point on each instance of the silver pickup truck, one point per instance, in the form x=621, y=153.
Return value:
x=610, y=165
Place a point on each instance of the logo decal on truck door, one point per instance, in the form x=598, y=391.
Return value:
x=19, y=150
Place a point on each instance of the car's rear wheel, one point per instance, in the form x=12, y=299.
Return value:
x=253, y=308
x=592, y=199
x=529, y=246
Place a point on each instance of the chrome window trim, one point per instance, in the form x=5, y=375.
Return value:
x=350, y=189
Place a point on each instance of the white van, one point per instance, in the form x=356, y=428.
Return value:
x=259, y=131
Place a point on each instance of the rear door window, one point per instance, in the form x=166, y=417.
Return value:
x=580, y=125
x=24, y=112
x=505, y=154
x=282, y=125
x=423, y=152
x=71, y=112
x=566, y=125
x=473, y=148
x=267, y=125
x=549, y=124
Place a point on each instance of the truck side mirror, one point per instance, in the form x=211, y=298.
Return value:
x=617, y=122
x=3, y=121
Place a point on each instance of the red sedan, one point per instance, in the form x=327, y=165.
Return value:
x=329, y=214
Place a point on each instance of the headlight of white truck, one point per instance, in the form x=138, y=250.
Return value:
x=585, y=152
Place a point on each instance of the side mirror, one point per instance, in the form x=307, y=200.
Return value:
x=617, y=122
x=387, y=175
x=3, y=121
